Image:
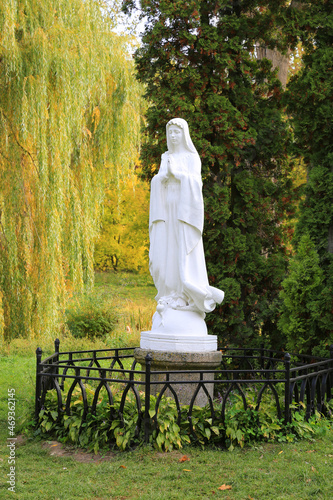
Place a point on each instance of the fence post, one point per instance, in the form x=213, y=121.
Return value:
x=56, y=350
x=38, y=383
x=262, y=363
x=148, y=361
x=56, y=346
x=331, y=374
x=287, y=388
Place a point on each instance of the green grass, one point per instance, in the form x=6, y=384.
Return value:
x=132, y=295
x=302, y=470
x=132, y=286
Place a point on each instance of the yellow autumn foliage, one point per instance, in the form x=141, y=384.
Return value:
x=123, y=243
x=69, y=113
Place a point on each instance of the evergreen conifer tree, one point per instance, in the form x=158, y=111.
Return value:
x=310, y=105
x=302, y=294
x=198, y=62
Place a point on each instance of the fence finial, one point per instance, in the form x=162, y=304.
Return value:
x=38, y=383
x=56, y=345
x=148, y=358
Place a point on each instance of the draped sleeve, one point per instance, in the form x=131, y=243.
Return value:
x=157, y=210
x=191, y=207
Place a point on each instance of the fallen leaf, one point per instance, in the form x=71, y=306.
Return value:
x=184, y=459
x=310, y=451
x=225, y=487
x=262, y=456
x=280, y=452
x=313, y=469
x=122, y=466
x=187, y=470
x=88, y=132
x=308, y=481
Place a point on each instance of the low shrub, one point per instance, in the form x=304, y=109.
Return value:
x=107, y=426
x=91, y=317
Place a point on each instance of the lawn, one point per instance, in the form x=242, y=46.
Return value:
x=45, y=470
x=128, y=286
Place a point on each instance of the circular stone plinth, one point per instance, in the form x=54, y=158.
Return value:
x=179, y=360
x=173, y=361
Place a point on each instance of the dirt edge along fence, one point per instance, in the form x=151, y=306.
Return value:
x=304, y=381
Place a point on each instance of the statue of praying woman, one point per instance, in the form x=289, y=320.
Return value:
x=176, y=256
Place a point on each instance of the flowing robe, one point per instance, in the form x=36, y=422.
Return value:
x=176, y=256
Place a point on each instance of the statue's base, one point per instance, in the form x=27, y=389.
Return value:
x=173, y=361
x=178, y=342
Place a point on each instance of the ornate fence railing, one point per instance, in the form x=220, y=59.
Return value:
x=293, y=381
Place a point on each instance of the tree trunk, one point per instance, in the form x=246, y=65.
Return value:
x=330, y=233
x=278, y=60
x=330, y=239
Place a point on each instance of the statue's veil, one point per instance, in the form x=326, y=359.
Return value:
x=184, y=126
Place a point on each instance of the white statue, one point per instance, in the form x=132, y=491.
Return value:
x=176, y=256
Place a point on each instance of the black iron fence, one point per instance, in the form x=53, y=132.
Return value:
x=293, y=381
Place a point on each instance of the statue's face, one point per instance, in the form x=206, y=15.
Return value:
x=176, y=135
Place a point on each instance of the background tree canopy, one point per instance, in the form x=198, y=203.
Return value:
x=69, y=115
x=307, y=311
x=123, y=243
x=70, y=109
x=200, y=60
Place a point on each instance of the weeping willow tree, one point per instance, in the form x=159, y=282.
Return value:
x=69, y=114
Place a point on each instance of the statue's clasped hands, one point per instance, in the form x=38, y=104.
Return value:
x=172, y=169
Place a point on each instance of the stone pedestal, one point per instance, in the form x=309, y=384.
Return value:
x=171, y=361
x=178, y=342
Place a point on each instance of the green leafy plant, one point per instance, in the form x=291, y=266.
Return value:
x=167, y=434
x=241, y=426
x=204, y=429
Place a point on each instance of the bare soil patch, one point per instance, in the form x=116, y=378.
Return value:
x=57, y=449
